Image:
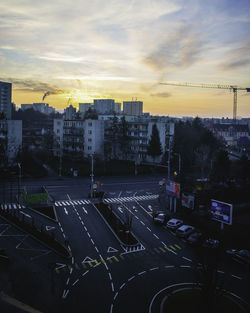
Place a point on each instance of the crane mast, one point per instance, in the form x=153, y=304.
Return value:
x=198, y=85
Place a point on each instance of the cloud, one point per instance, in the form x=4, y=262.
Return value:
x=179, y=50
x=237, y=58
x=29, y=85
x=161, y=95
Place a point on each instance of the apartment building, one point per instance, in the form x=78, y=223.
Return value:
x=10, y=139
x=81, y=137
x=5, y=99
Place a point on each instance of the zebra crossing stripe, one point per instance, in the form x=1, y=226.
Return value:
x=162, y=249
x=56, y=204
x=167, y=248
x=172, y=247
x=177, y=246
x=90, y=264
x=116, y=259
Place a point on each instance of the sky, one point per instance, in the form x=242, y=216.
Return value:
x=77, y=51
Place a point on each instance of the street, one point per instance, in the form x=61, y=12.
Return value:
x=102, y=275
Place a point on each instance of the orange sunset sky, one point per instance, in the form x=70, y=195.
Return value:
x=85, y=50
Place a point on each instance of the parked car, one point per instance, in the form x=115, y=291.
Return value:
x=174, y=223
x=240, y=255
x=160, y=218
x=184, y=231
x=211, y=243
x=195, y=238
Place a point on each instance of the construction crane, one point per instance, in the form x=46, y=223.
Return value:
x=230, y=87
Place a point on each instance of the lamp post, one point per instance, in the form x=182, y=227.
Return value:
x=19, y=181
x=92, y=175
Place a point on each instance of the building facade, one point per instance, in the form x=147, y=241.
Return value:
x=104, y=106
x=82, y=138
x=10, y=139
x=83, y=107
x=69, y=113
x=133, y=108
x=5, y=99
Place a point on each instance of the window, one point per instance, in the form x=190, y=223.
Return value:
x=89, y=148
x=58, y=123
x=58, y=131
x=89, y=140
x=90, y=124
x=90, y=132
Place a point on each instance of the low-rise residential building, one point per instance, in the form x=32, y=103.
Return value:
x=230, y=133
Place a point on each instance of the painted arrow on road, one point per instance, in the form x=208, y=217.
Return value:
x=49, y=228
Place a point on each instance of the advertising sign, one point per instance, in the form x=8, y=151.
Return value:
x=173, y=188
x=187, y=201
x=221, y=211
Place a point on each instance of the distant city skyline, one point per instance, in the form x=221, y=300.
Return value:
x=121, y=50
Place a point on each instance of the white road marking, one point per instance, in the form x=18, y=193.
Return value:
x=85, y=273
x=120, y=209
x=60, y=266
x=148, y=229
x=85, y=211
x=154, y=268
x=110, y=276
x=122, y=285
x=65, y=293
x=67, y=282
x=141, y=273
x=187, y=259
x=235, y=276
x=185, y=266
x=132, y=277
x=142, y=223
x=75, y=282
x=66, y=211
x=27, y=215
x=115, y=295
x=169, y=266
x=112, y=287
x=119, y=194
x=156, y=236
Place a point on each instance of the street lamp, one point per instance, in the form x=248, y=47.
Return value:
x=92, y=175
x=19, y=181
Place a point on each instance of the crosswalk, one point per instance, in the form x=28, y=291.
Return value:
x=11, y=206
x=130, y=199
x=107, y=200
x=71, y=202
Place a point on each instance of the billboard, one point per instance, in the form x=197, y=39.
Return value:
x=221, y=211
x=173, y=188
x=187, y=201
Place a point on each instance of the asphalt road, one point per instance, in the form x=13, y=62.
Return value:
x=102, y=275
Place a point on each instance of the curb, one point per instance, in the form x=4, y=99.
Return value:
x=120, y=242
